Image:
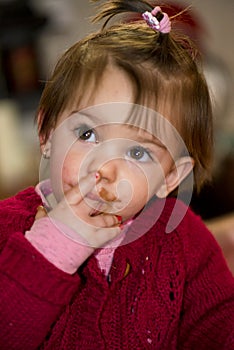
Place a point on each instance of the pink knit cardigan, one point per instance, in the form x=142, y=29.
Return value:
x=164, y=291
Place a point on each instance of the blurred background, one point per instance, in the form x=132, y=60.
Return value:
x=33, y=34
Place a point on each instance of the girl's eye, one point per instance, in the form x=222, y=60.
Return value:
x=85, y=133
x=139, y=153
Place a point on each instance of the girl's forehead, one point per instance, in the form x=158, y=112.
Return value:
x=114, y=85
x=111, y=98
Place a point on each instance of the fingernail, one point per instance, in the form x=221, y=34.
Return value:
x=41, y=209
x=97, y=176
x=119, y=218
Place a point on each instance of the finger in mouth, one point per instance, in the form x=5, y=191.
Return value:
x=96, y=211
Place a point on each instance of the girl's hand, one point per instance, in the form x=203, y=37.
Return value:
x=74, y=212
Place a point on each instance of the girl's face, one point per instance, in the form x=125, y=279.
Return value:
x=132, y=164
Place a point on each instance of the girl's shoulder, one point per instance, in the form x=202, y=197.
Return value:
x=193, y=240
x=25, y=200
x=174, y=234
x=17, y=213
x=180, y=220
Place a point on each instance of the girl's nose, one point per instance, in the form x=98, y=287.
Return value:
x=106, y=177
x=109, y=171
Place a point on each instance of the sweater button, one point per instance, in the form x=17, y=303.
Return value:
x=127, y=270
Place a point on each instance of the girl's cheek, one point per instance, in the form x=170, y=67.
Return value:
x=65, y=172
x=140, y=191
x=70, y=169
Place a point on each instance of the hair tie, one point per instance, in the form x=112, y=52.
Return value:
x=158, y=20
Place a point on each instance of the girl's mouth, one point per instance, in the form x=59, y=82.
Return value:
x=96, y=211
x=98, y=206
x=102, y=201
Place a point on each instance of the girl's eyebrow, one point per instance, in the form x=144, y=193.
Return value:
x=150, y=140
x=83, y=114
x=86, y=115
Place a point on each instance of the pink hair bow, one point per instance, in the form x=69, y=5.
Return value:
x=163, y=26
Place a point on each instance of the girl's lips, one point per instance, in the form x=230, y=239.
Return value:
x=96, y=211
x=94, y=197
x=103, y=196
x=101, y=205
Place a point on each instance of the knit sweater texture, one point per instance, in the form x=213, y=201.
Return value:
x=164, y=291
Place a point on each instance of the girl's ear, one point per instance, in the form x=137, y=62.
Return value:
x=46, y=147
x=182, y=168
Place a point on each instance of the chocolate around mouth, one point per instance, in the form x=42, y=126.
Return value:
x=107, y=196
x=104, y=196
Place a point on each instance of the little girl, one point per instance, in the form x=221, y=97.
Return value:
x=103, y=254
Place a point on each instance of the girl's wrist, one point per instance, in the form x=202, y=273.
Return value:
x=51, y=239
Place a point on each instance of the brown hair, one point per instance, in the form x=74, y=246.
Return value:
x=163, y=68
